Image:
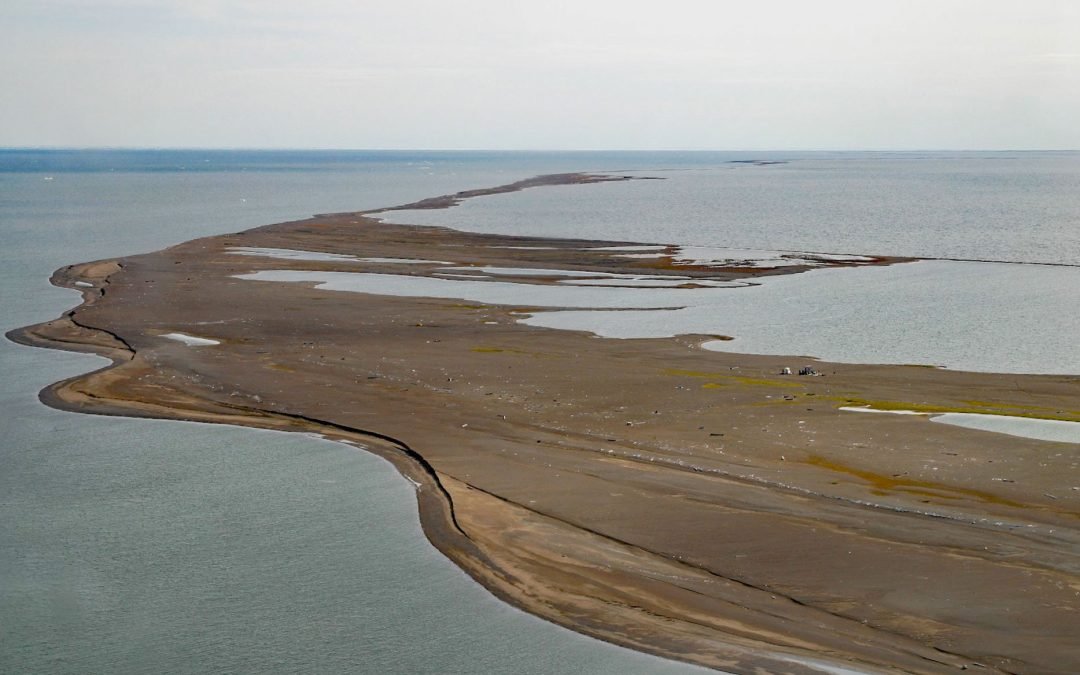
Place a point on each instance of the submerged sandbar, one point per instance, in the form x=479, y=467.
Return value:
x=689, y=503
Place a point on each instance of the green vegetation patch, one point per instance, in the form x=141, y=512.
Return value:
x=883, y=484
x=725, y=379
x=497, y=350
x=972, y=407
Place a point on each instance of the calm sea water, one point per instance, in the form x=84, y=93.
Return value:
x=1019, y=208
x=1016, y=207
x=989, y=317
x=131, y=546
x=135, y=546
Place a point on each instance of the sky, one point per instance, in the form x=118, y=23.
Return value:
x=542, y=74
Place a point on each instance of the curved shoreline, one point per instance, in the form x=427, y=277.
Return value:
x=434, y=503
x=520, y=552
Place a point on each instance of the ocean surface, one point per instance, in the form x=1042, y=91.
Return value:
x=141, y=546
x=1001, y=292
x=131, y=546
x=1014, y=207
x=988, y=317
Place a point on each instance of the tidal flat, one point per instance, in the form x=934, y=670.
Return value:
x=691, y=503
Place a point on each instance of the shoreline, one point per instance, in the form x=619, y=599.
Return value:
x=606, y=578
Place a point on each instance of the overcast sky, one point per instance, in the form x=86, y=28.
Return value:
x=541, y=74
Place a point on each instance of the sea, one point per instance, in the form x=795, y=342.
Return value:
x=134, y=546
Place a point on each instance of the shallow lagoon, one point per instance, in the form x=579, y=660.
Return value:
x=1058, y=431
x=966, y=316
x=1046, y=430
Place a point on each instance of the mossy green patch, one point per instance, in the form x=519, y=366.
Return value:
x=727, y=379
x=883, y=484
x=764, y=382
x=1011, y=406
x=497, y=350
x=973, y=407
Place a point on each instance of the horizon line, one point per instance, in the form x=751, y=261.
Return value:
x=240, y=148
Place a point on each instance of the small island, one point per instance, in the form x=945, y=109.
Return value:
x=711, y=507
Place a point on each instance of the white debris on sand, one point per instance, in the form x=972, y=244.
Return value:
x=318, y=256
x=191, y=340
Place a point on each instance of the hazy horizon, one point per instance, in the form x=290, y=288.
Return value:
x=197, y=148
x=779, y=75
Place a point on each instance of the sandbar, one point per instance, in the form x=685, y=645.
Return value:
x=690, y=503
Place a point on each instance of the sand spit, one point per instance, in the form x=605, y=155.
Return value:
x=688, y=503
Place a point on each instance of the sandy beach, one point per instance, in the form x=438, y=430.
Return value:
x=695, y=504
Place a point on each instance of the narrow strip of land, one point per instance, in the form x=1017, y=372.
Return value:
x=697, y=505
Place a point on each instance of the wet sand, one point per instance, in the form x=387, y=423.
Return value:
x=689, y=503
